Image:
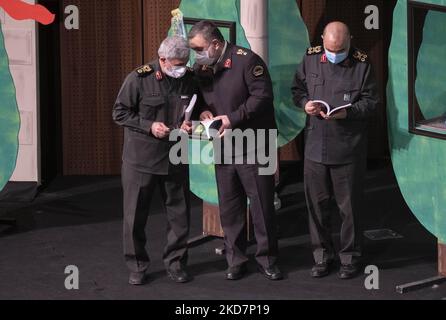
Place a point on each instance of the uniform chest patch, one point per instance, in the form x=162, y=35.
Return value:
x=347, y=97
x=258, y=71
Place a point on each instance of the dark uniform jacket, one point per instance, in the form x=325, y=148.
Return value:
x=148, y=96
x=240, y=87
x=351, y=81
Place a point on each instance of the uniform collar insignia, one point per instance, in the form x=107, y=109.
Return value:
x=228, y=64
x=324, y=58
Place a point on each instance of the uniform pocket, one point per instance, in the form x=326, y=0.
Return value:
x=150, y=107
x=316, y=87
x=346, y=92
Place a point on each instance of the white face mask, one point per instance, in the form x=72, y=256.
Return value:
x=203, y=58
x=176, y=71
x=337, y=57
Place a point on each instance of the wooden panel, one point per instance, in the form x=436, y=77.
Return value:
x=156, y=21
x=212, y=224
x=289, y=152
x=211, y=220
x=94, y=62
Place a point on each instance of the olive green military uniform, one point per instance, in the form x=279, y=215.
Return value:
x=335, y=150
x=149, y=96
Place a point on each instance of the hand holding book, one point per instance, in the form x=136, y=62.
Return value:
x=323, y=109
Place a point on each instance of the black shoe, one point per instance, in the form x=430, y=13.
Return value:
x=348, y=271
x=271, y=273
x=178, y=275
x=137, y=278
x=236, y=272
x=321, y=269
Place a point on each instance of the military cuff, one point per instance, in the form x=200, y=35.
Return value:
x=303, y=102
x=234, y=119
x=146, y=125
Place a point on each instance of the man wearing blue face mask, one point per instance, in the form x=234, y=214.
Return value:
x=149, y=106
x=335, y=144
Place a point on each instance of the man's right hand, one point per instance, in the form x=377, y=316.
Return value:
x=313, y=108
x=160, y=130
x=206, y=115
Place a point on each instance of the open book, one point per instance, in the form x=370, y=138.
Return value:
x=330, y=110
x=209, y=128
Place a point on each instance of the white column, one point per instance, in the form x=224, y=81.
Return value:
x=21, y=46
x=254, y=20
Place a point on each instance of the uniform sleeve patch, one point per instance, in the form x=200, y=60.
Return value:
x=258, y=71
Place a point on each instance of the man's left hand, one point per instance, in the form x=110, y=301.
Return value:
x=225, y=125
x=187, y=127
x=339, y=115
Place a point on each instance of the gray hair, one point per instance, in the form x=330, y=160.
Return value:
x=174, y=47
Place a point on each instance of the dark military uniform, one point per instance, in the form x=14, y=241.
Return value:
x=240, y=87
x=335, y=150
x=148, y=96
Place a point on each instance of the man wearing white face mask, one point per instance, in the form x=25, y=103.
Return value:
x=336, y=144
x=149, y=106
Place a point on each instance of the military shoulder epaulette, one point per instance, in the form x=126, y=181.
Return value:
x=360, y=56
x=242, y=52
x=314, y=50
x=144, y=70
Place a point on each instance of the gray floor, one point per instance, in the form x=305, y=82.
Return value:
x=77, y=221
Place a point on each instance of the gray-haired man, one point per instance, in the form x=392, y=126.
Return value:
x=149, y=105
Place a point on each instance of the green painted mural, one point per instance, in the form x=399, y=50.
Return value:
x=431, y=76
x=9, y=118
x=287, y=44
x=418, y=161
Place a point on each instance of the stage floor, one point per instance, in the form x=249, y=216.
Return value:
x=77, y=221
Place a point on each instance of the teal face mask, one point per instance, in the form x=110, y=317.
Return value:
x=336, y=57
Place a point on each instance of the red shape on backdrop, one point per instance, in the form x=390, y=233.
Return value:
x=20, y=10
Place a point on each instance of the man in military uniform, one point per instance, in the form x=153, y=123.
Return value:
x=237, y=90
x=149, y=106
x=335, y=145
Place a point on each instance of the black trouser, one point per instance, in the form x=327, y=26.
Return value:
x=345, y=184
x=138, y=189
x=236, y=183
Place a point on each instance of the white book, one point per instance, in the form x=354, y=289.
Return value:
x=190, y=108
x=330, y=110
x=209, y=127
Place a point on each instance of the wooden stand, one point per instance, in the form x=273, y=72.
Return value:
x=212, y=228
x=442, y=259
x=440, y=278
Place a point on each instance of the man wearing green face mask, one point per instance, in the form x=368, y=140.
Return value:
x=336, y=143
x=149, y=106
